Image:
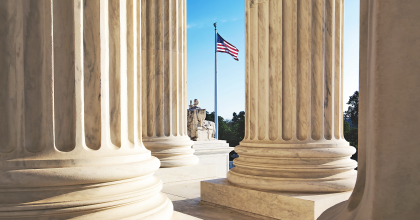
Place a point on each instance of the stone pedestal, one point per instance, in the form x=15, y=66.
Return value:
x=293, y=102
x=214, y=152
x=165, y=82
x=278, y=205
x=206, y=147
x=70, y=128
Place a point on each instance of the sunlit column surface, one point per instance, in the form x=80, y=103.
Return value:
x=293, y=88
x=164, y=77
x=70, y=121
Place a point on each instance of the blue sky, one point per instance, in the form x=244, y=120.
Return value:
x=201, y=14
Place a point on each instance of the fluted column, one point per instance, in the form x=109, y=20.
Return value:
x=164, y=76
x=294, y=125
x=70, y=122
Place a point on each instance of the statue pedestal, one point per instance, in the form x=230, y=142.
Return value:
x=278, y=205
x=210, y=147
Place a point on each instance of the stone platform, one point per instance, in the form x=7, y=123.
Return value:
x=278, y=205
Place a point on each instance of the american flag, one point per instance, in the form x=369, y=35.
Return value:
x=225, y=47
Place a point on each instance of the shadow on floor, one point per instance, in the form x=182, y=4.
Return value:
x=207, y=212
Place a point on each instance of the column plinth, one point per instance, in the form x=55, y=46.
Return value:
x=70, y=132
x=294, y=118
x=165, y=83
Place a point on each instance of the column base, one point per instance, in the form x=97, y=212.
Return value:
x=177, y=161
x=174, y=151
x=213, y=163
x=278, y=205
x=120, y=187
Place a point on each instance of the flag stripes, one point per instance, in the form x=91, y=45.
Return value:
x=225, y=47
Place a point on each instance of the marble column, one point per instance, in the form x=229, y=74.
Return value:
x=164, y=77
x=70, y=122
x=388, y=175
x=293, y=88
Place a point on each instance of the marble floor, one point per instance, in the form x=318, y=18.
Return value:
x=186, y=199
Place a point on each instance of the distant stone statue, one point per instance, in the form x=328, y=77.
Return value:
x=196, y=103
x=198, y=128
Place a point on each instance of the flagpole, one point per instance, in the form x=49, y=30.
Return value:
x=216, y=118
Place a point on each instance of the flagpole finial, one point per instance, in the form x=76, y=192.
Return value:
x=215, y=25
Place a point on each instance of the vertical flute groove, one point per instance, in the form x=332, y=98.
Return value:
x=175, y=81
x=10, y=57
x=145, y=66
x=181, y=68
x=38, y=76
x=289, y=69
x=139, y=51
x=329, y=95
x=263, y=57
x=151, y=46
x=92, y=73
x=64, y=75
x=247, y=52
x=341, y=66
x=253, y=32
x=131, y=69
x=166, y=68
x=114, y=72
x=337, y=72
x=172, y=67
x=317, y=67
x=184, y=55
x=275, y=69
x=303, y=68
x=159, y=66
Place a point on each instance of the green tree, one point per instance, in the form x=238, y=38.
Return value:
x=230, y=130
x=237, y=126
x=352, y=115
x=352, y=112
x=351, y=134
x=224, y=129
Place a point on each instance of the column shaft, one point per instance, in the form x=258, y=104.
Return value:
x=70, y=128
x=294, y=139
x=165, y=82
